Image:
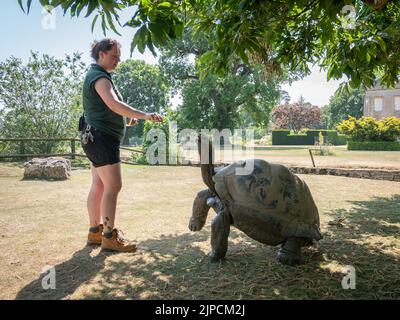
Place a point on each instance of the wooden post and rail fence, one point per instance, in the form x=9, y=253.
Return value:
x=72, y=141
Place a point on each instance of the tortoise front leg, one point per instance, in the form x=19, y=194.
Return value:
x=200, y=210
x=290, y=253
x=220, y=227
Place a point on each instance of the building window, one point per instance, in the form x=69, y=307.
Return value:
x=378, y=104
x=397, y=103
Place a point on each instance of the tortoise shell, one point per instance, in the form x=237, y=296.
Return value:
x=268, y=203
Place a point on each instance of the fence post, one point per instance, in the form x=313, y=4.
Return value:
x=22, y=149
x=73, y=148
x=312, y=158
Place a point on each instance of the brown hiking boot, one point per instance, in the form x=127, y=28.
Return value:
x=95, y=237
x=117, y=243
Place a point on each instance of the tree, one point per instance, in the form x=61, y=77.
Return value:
x=41, y=98
x=142, y=87
x=359, y=39
x=296, y=116
x=242, y=98
x=342, y=105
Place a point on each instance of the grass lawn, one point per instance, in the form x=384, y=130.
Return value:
x=299, y=156
x=45, y=223
x=341, y=157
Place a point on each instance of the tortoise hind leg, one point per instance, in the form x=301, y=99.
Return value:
x=220, y=228
x=290, y=253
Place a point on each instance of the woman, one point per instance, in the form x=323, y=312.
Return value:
x=104, y=113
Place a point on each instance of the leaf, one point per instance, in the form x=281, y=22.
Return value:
x=66, y=5
x=103, y=24
x=111, y=24
x=178, y=28
x=382, y=44
x=80, y=8
x=20, y=4
x=133, y=23
x=73, y=9
x=94, y=22
x=157, y=30
x=368, y=56
x=29, y=5
x=139, y=40
x=150, y=45
x=93, y=4
x=331, y=71
x=164, y=5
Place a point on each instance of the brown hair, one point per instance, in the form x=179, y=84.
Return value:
x=104, y=45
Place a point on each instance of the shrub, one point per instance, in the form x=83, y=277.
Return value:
x=389, y=129
x=369, y=129
x=374, y=145
x=306, y=137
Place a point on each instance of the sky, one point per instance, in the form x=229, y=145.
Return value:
x=58, y=35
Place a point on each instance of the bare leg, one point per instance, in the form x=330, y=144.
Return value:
x=94, y=199
x=110, y=175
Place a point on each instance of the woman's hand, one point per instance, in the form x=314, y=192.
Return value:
x=154, y=117
x=132, y=122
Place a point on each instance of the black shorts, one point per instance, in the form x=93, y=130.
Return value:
x=104, y=150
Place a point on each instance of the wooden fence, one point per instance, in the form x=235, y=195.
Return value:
x=73, y=154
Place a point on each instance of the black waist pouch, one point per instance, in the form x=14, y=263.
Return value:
x=82, y=123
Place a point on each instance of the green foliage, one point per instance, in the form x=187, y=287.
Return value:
x=323, y=150
x=41, y=98
x=164, y=127
x=139, y=158
x=342, y=105
x=142, y=86
x=309, y=137
x=374, y=145
x=369, y=129
x=243, y=98
x=260, y=133
x=281, y=35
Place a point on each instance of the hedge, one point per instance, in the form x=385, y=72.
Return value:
x=283, y=137
x=373, y=145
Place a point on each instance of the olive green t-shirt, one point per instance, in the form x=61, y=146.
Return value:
x=97, y=114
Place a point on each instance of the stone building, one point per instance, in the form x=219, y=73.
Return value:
x=381, y=102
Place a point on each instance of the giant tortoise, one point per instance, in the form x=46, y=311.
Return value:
x=270, y=205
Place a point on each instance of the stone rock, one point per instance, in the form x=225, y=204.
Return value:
x=47, y=168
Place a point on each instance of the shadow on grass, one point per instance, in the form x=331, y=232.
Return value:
x=70, y=275
x=177, y=267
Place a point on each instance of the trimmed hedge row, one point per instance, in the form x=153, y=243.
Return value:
x=373, y=145
x=283, y=137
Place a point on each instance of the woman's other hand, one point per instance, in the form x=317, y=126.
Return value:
x=133, y=122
